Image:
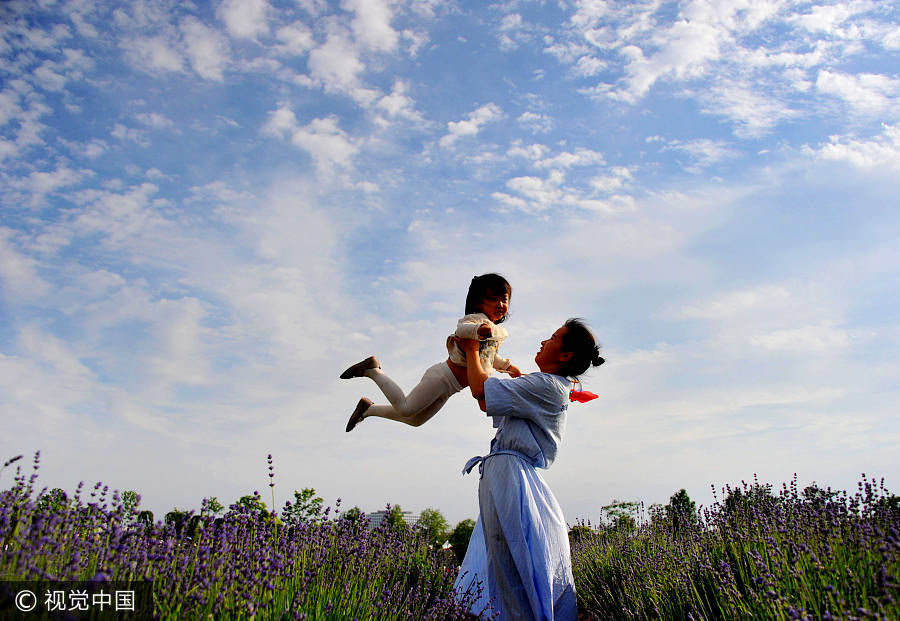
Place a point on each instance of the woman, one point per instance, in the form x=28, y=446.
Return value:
x=519, y=551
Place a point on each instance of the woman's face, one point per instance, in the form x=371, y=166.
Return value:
x=550, y=356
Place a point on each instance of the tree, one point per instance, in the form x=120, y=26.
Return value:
x=888, y=507
x=459, y=538
x=434, y=527
x=177, y=519
x=250, y=504
x=681, y=511
x=622, y=515
x=211, y=506
x=55, y=500
x=581, y=533
x=307, y=507
x=145, y=518
x=129, y=501
x=756, y=497
x=394, y=521
x=353, y=514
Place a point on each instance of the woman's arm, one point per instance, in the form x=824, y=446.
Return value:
x=474, y=371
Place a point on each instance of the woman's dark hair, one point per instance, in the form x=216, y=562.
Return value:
x=483, y=286
x=579, y=340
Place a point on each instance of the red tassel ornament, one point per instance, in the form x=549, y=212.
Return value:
x=582, y=396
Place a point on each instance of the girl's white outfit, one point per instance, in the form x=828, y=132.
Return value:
x=438, y=383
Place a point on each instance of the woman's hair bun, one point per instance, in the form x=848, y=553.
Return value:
x=598, y=360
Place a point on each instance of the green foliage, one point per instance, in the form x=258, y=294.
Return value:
x=740, y=500
x=459, y=538
x=622, y=515
x=353, y=514
x=211, y=506
x=145, y=518
x=307, y=507
x=681, y=512
x=177, y=519
x=394, y=521
x=434, y=527
x=581, y=532
x=251, y=503
x=54, y=500
x=130, y=501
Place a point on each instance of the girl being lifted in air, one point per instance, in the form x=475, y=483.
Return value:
x=487, y=305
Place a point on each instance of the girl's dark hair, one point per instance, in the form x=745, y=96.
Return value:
x=579, y=340
x=481, y=287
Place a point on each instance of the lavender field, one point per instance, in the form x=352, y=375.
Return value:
x=248, y=564
x=801, y=554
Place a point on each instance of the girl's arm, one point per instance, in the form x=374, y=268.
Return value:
x=473, y=327
x=506, y=365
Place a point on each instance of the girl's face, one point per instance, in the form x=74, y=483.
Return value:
x=494, y=306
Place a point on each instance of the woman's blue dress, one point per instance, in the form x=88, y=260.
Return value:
x=519, y=551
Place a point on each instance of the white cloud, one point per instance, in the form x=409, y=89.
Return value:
x=483, y=115
x=122, y=218
x=588, y=66
x=55, y=354
x=122, y=132
x=762, y=300
x=755, y=113
x=814, y=339
x=244, y=19
x=337, y=67
x=207, y=50
x=618, y=179
x=684, y=50
x=154, y=120
x=704, y=151
x=9, y=106
x=182, y=356
x=580, y=157
x=540, y=194
x=752, y=79
x=536, y=123
x=589, y=14
x=882, y=151
x=91, y=150
x=40, y=183
x=866, y=93
x=829, y=18
x=296, y=38
x=18, y=271
x=371, y=23
x=153, y=53
x=325, y=142
x=398, y=105
x=532, y=152
x=48, y=78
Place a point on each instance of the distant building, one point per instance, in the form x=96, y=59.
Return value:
x=376, y=518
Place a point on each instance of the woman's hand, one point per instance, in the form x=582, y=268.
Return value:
x=513, y=371
x=470, y=346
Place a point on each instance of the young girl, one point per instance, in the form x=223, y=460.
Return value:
x=487, y=304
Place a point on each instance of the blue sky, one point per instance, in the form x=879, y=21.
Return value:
x=209, y=210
